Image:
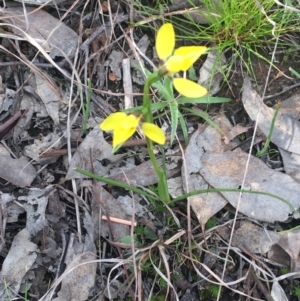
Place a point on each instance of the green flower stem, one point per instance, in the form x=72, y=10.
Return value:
x=146, y=111
x=148, y=117
x=162, y=177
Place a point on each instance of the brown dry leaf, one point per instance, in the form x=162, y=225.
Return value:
x=49, y=93
x=19, y=172
x=114, y=209
x=235, y=131
x=204, y=205
x=17, y=263
x=80, y=259
x=35, y=206
x=278, y=255
x=94, y=147
x=40, y=145
x=290, y=242
x=11, y=209
x=141, y=175
x=286, y=134
x=254, y=238
x=291, y=163
x=278, y=75
x=175, y=187
x=8, y=98
x=204, y=140
x=104, y=6
x=114, y=61
x=52, y=34
x=291, y=106
x=226, y=170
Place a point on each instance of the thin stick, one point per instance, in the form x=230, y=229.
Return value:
x=119, y=221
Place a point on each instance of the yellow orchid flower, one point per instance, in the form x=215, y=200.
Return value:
x=124, y=126
x=181, y=60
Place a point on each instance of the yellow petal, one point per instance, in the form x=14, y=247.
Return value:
x=112, y=121
x=190, y=55
x=188, y=88
x=121, y=135
x=174, y=64
x=130, y=121
x=184, y=50
x=154, y=132
x=165, y=41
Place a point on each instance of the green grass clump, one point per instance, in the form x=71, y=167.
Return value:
x=212, y=222
x=284, y=270
x=214, y=290
x=297, y=291
x=211, y=292
x=231, y=23
x=242, y=26
x=244, y=22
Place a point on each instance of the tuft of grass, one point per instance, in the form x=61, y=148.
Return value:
x=162, y=283
x=284, y=270
x=204, y=294
x=147, y=267
x=243, y=22
x=242, y=26
x=238, y=23
x=212, y=222
x=214, y=290
x=297, y=291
